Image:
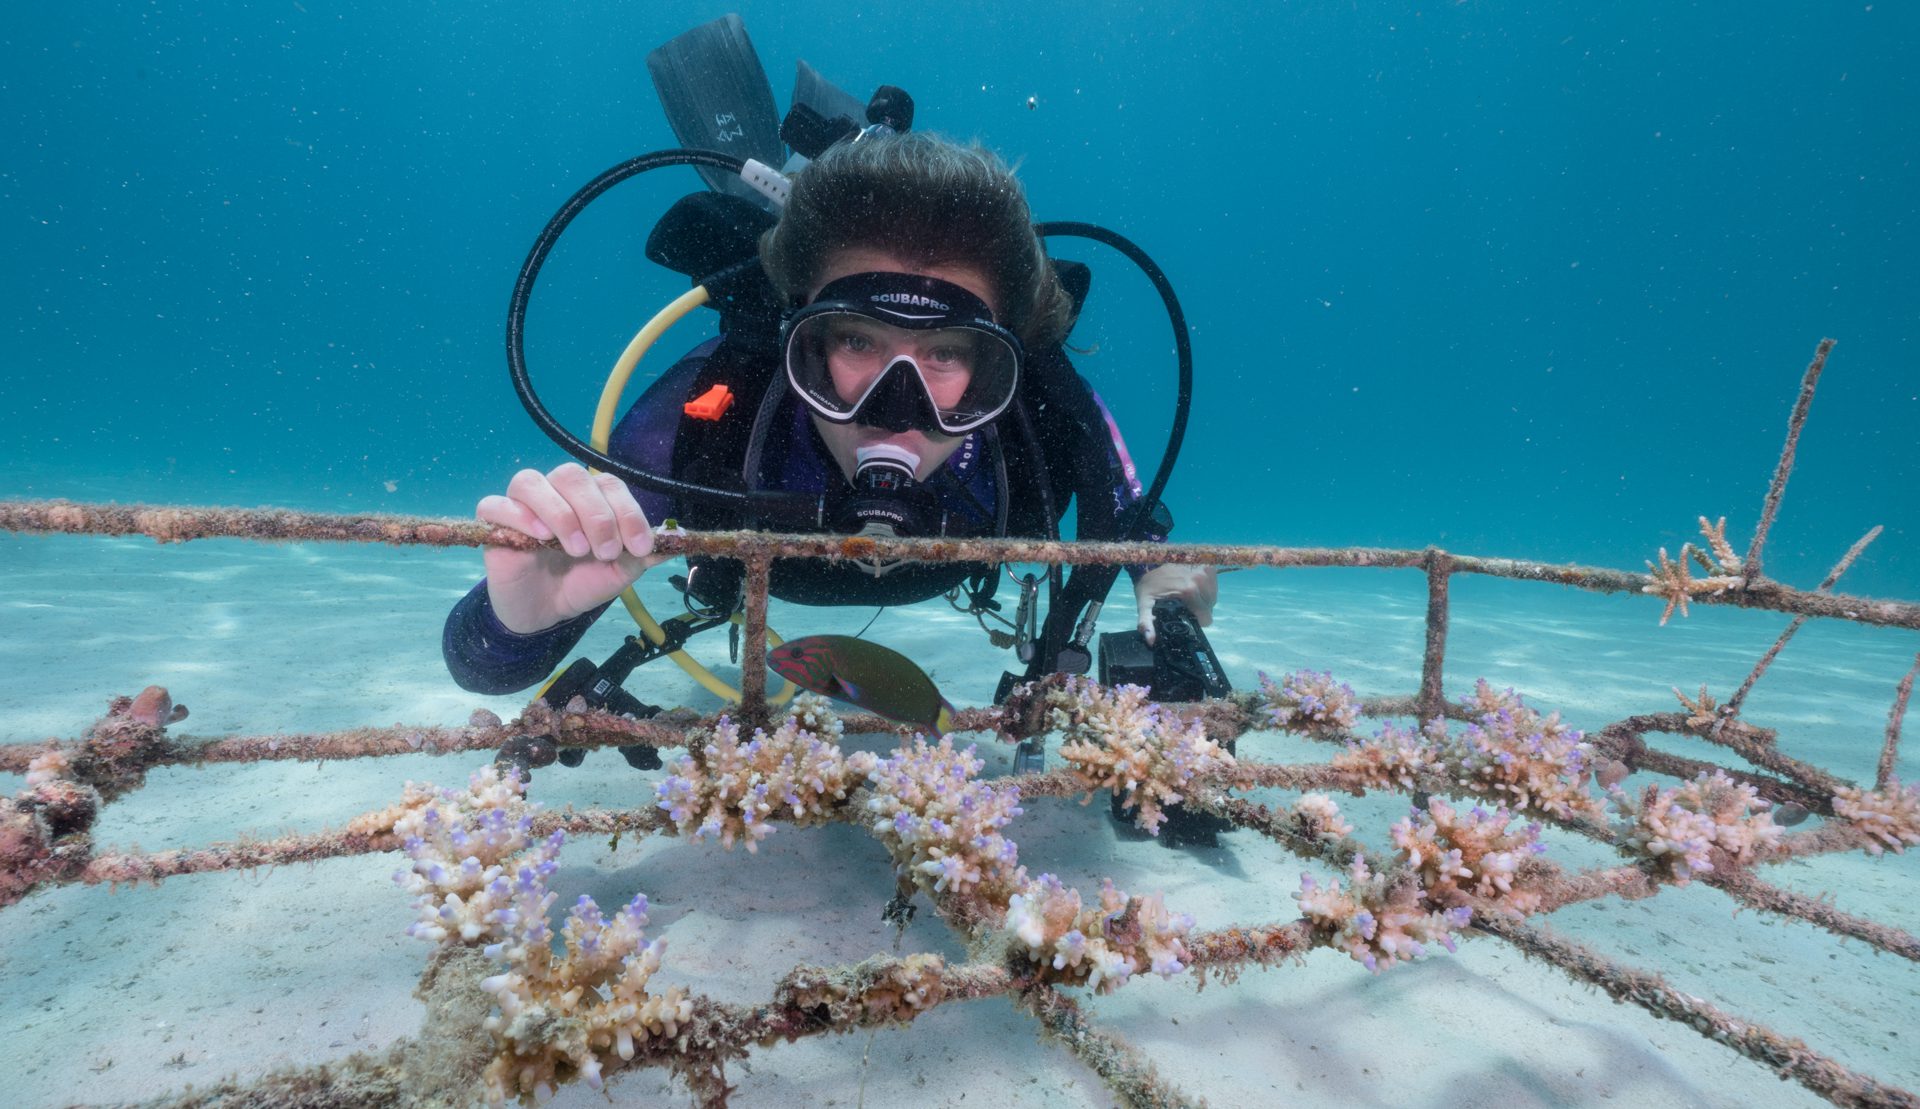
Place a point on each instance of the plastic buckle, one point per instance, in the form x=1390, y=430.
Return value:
x=710, y=405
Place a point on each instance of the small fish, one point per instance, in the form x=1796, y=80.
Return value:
x=864, y=674
x=1789, y=814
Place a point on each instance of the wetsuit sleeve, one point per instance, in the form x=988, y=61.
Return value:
x=486, y=656
x=482, y=654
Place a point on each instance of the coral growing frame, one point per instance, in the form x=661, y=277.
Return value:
x=1713, y=829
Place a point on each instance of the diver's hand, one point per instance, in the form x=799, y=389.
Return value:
x=1197, y=587
x=605, y=544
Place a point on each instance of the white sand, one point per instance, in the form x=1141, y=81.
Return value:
x=107, y=997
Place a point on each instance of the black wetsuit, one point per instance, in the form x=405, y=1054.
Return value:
x=656, y=436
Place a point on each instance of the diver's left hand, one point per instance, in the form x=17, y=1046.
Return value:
x=1197, y=587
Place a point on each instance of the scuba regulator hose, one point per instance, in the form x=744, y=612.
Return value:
x=1089, y=583
x=779, y=506
x=592, y=455
x=795, y=511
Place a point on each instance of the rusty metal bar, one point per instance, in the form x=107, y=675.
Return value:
x=1890, y=751
x=1778, y=489
x=753, y=655
x=179, y=524
x=1740, y=695
x=1790, y=1057
x=1433, y=695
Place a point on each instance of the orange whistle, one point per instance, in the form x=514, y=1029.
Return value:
x=710, y=405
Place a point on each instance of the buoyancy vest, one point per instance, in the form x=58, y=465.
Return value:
x=1069, y=453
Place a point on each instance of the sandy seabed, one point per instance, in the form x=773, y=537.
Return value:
x=120, y=996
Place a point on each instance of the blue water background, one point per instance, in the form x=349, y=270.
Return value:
x=1535, y=280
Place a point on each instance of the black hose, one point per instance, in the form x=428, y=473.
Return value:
x=517, y=321
x=1093, y=583
x=1143, y=508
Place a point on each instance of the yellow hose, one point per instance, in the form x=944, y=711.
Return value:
x=603, y=420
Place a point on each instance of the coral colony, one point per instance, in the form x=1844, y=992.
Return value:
x=551, y=1001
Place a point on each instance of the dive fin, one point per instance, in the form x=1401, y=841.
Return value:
x=716, y=97
x=824, y=96
x=820, y=114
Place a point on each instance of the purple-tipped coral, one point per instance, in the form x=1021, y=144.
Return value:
x=1680, y=828
x=1117, y=739
x=1470, y=858
x=1381, y=920
x=942, y=826
x=1891, y=815
x=1309, y=702
x=732, y=791
x=478, y=877
x=572, y=1015
x=1524, y=760
x=460, y=843
x=1100, y=946
x=1394, y=757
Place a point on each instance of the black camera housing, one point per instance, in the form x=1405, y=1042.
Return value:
x=1179, y=666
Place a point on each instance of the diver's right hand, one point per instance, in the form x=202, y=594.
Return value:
x=605, y=544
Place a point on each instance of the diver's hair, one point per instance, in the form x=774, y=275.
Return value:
x=928, y=201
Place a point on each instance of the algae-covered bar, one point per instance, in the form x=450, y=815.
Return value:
x=519, y=1003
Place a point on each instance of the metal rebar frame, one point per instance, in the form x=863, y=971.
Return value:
x=795, y=1007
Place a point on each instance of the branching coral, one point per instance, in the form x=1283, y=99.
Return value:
x=1394, y=757
x=460, y=843
x=1674, y=580
x=1318, y=816
x=1117, y=739
x=1100, y=946
x=942, y=826
x=1680, y=828
x=567, y=1016
x=478, y=878
x=733, y=790
x=1891, y=815
x=1310, y=702
x=1703, y=712
x=1472, y=858
x=1519, y=757
x=1381, y=920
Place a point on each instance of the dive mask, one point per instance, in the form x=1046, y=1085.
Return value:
x=901, y=352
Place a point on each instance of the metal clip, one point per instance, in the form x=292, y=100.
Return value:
x=1026, y=620
x=1075, y=657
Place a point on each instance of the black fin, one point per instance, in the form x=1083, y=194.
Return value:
x=824, y=96
x=716, y=97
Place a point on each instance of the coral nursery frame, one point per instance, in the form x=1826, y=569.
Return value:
x=45, y=831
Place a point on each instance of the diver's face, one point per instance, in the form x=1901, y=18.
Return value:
x=862, y=350
x=859, y=350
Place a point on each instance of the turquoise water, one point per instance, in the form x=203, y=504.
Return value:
x=1527, y=280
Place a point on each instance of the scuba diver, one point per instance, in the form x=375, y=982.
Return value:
x=921, y=291
x=891, y=354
